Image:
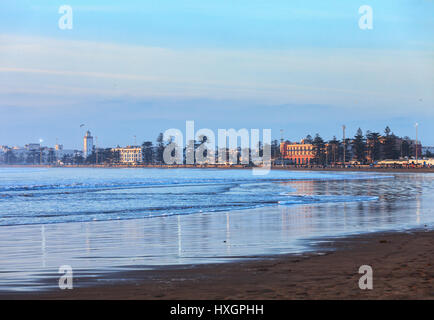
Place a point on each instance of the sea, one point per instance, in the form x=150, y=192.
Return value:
x=102, y=221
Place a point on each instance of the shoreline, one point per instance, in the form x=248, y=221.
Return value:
x=336, y=169
x=402, y=264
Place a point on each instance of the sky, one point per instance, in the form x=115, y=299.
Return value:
x=131, y=69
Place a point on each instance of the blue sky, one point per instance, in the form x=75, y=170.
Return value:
x=139, y=67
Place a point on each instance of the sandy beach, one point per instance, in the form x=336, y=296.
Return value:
x=402, y=265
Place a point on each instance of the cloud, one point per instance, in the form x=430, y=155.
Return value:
x=339, y=77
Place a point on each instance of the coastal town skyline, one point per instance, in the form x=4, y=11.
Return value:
x=233, y=148
x=74, y=141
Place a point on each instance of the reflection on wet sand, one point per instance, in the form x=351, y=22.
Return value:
x=36, y=251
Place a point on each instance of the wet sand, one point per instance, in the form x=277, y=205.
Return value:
x=402, y=265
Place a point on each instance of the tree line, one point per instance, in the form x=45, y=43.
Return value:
x=362, y=148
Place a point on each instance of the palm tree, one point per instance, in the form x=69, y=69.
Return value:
x=160, y=148
x=390, y=151
x=308, y=139
x=147, y=153
x=319, y=144
x=333, y=150
x=359, y=146
x=373, y=145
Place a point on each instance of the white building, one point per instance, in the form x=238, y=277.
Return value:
x=130, y=154
x=88, y=144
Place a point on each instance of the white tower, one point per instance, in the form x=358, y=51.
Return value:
x=88, y=144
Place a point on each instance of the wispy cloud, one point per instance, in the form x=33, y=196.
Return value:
x=337, y=77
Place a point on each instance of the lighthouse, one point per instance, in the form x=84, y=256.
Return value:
x=88, y=144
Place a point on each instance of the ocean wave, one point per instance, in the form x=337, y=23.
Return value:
x=60, y=196
x=312, y=199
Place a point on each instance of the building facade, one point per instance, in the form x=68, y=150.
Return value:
x=130, y=154
x=297, y=153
